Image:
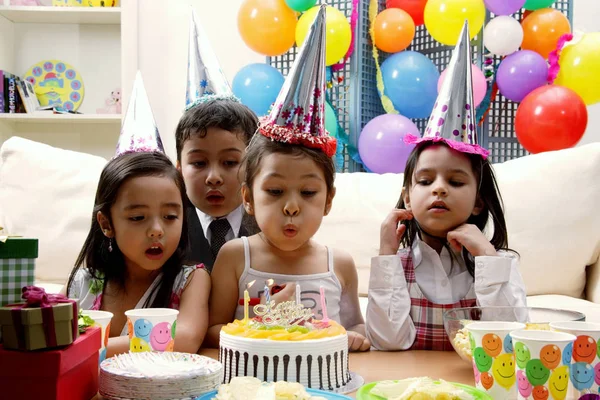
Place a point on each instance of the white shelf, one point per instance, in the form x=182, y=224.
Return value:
x=50, y=118
x=62, y=15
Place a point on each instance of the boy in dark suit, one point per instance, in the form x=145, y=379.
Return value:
x=211, y=140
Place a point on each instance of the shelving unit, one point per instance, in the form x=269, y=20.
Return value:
x=62, y=15
x=87, y=38
x=61, y=118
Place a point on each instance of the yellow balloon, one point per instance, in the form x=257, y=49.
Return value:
x=338, y=37
x=444, y=19
x=579, y=66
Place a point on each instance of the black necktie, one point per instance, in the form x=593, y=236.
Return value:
x=219, y=229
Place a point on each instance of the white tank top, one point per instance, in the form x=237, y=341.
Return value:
x=309, y=286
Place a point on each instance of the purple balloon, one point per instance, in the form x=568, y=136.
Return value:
x=521, y=73
x=381, y=143
x=504, y=7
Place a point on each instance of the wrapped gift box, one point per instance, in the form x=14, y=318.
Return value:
x=70, y=373
x=17, y=266
x=45, y=321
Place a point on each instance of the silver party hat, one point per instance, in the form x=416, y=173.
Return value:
x=205, y=79
x=298, y=115
x=139, y=132
x=453, y=117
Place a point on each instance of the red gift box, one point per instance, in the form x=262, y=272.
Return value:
x=70, y=373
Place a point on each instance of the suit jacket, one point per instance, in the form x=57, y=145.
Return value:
x=198, y=247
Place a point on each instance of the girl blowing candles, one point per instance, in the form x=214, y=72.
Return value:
x=289, y=187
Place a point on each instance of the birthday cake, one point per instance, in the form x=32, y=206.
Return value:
x=285, y=342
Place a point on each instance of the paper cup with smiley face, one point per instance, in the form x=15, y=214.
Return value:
x=101, y=319
x=583, y=356
x=542, y=373
x=493, y=358
x=151, y=329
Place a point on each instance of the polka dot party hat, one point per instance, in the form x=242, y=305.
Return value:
x=453, y=117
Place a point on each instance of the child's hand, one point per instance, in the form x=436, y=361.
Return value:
x=470, y=237
x=286, y=292
x=392, y=231
x=357, y=342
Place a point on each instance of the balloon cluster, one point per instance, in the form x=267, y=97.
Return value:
x=551, y=115
x=271, y=28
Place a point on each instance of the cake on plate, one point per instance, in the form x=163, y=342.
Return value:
x=285, y=342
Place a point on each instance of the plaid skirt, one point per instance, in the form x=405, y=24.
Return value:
x=427, y=316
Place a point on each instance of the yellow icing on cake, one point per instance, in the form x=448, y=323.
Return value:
x=242, y=329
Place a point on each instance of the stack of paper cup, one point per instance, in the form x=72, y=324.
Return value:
x=101, y=319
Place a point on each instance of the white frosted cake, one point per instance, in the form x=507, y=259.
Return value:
x=286, y=343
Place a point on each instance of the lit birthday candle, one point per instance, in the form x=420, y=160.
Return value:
x=247, y=301
x=298, y=300
x=323, y=304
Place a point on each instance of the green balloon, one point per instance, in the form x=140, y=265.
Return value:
x=482, y=360
x=537, y=373
x=173, y=329
x=300, y=5
x=330, y=120
x=522, y=354
x=537, y=4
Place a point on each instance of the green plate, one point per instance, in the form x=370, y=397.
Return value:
x=364, y=393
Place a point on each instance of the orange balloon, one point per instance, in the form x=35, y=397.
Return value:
x=394, y=30
x=542, y=29
x=267, y=26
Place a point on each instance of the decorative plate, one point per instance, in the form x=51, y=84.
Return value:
x=364, y=393
x=56, y=83
x=313, y=392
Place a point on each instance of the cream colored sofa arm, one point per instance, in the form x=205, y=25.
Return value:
x=592, y=286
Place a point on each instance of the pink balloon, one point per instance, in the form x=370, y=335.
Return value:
x=479, y=84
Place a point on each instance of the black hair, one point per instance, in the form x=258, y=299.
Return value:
x=487, y=192
x=225, y=114
x=109, y=266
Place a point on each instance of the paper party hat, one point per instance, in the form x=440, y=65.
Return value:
x=139, y=132
x=205, y=79
x=453, y=117
x=298, y=115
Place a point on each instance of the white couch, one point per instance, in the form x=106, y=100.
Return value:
x=552, y=208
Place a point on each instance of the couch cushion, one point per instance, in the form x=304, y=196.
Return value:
x=48, y=193
x=550, y=202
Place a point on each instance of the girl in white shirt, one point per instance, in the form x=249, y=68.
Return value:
x=446, y=261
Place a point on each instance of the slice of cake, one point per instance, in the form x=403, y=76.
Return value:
x=285, y=342
x=248, y=388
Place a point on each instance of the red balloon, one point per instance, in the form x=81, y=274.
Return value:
x=550, y=118
x=415, y=8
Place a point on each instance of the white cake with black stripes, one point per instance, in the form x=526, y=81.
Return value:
x=286, y=343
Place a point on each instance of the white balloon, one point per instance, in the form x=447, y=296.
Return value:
x=503, y=35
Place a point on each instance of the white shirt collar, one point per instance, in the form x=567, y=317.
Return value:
x=421, y=250
x=234, y=218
